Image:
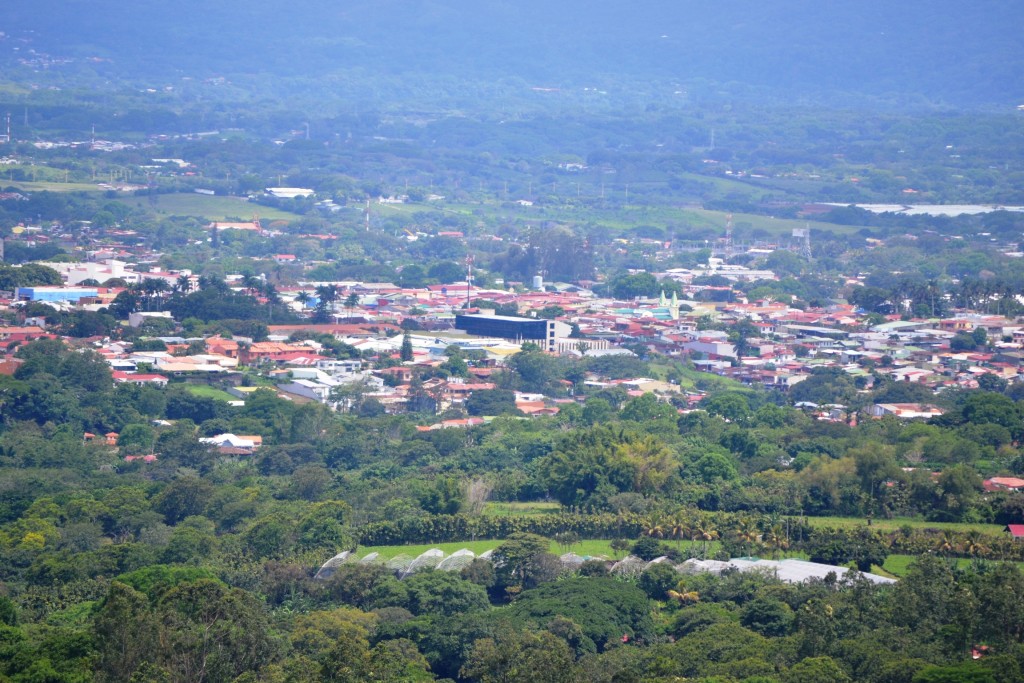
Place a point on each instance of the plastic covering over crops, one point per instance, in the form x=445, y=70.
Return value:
x=789, y=570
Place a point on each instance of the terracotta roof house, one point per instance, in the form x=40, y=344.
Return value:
x=1004, y=484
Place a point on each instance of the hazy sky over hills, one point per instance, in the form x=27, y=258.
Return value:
x=944, y=51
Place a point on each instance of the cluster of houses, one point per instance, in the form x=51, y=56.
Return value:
x=781, y=345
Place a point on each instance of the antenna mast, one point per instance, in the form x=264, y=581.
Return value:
x=805, y=246
x=728, y=236
x=469, y=276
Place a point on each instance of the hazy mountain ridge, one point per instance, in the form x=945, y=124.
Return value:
x=944, y=52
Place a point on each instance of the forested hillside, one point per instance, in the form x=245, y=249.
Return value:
x=910, y=52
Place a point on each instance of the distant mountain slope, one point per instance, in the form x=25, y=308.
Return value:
x=938, y=50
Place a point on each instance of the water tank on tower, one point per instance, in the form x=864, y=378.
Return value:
x=538, y=282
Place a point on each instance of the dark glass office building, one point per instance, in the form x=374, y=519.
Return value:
x=537, y=330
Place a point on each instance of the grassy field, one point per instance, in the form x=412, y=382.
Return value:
x=620, y=219
x=181, y=204
x=690, y=378
x=518, y=509
x=42, y=186
x=897, y=565
x=896, y=523
x=210, y=392
x=212, y=208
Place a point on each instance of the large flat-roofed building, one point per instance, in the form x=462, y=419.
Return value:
x=54, y=294
x=541, y=332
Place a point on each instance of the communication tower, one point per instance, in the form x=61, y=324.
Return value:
x=728, y=236
x=805, y=246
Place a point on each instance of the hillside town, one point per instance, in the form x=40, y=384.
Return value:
x=391, y=344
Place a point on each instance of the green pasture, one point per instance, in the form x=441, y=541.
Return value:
x=49, y=186
x=897, y=565
x=212, y=208
x=619, y=219
x=518, y=509
x=690, y=377
x=206, y=391
x=898, y=522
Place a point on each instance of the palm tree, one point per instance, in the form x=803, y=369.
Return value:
x=946, y=544
x=747, y=533
x=252, y=284
x=326, y=296
x=654, y=526
x=776, y=539
x=351, y=301
x=183, y=284
x=272, y=297
x=679, y=526
x=212, y=282
x=974, y=544
x=328, y=293
x=684, y=598
x=703, y=530
x=303, y=298
x=150, y=288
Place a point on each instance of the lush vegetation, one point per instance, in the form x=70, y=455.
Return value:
x=212, y=556
x=593, y=144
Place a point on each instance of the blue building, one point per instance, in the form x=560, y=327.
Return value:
x=55, y=294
